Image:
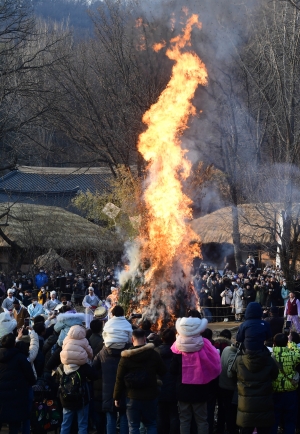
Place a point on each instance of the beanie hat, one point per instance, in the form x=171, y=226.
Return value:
x=191, y=326
x=10, y=291
x=53, y=292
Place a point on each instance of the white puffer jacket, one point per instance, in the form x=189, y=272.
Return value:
x=117, y=330
x=7, y=324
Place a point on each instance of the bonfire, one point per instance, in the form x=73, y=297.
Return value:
x=161, y=256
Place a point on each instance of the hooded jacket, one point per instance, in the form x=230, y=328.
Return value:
x=7, y=324
x=287, y=360
x=255, y=372
x=139, y=359
x=76, y=350
x=65, y=321
x=254, y=331
x=117, y=330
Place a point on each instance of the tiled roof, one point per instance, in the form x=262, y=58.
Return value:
x=51, y=186
x=22, y=182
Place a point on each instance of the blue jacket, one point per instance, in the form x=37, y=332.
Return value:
x=65, y=321
x=41, y=279
x=254, y=331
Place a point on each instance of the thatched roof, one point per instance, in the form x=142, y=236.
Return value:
x=256, y=223
x=52, y=227
x=49, y=259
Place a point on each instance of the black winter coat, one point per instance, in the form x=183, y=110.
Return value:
x=16, y=376
x=134, y=361
x=96, y=343
x=255, y=373
x=189, y=392
x=106, y=362
x=168, y=389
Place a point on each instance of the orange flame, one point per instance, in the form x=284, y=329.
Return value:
x=168, y=235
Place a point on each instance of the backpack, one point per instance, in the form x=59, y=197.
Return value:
x=72, y=390
x=45, y=415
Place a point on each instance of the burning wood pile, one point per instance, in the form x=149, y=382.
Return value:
x=157, y=282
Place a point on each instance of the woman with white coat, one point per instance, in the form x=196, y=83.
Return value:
x=226, y=302
x=237, y=302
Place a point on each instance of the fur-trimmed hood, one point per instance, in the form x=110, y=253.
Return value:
x=71, y=317
x=191, y=326
x=137, y=350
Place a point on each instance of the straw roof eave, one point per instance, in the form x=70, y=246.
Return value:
x=53, y=227
x=255, y=227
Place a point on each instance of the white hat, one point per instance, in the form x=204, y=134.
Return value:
x=191, y=326
x=53, y=292
x=113, y=288
x=91, y=288
x=10, y=291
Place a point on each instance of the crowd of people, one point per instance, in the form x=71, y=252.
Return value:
x=97, y=371
x=224, y=296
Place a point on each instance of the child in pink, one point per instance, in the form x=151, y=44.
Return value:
x=195, y=364
x=76, y=350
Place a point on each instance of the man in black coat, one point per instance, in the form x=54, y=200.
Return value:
x=136, y=374
x=168, y=418
x=106, y=363
x=16, y=378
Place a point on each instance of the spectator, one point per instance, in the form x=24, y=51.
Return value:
x=227, y=408
x=117, y=331
x=253, y=332
x=223, y=341
x=226, y=302
x=216, y=300
x=75, y=395
x=146, y=326
x=76, y=350
x=90, y=302
x=195, y=364
x=51, y=304
x=65, y=321
x=35, y=308
x=255, y=371
x=292, y=311
x=96, y=339
x=286, y=384
x=106, y=362
x=7, y=304
x=276, y=322
x=20, y=313
x=16, y=378
x=249, y=295
x=167, y=413
x=284, y=293
x=41, y=279
x=237, y=302
x=137, y=373
x=43, y=296
x=7, y=324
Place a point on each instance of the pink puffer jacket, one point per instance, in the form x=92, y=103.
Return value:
x=76, y=349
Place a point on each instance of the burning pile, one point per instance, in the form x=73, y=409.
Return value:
x=165, y=237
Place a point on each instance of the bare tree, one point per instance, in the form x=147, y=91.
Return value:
x=109, y=84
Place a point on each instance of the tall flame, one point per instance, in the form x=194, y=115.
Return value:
x=167, y=236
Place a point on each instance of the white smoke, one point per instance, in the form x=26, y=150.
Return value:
x=132, y=254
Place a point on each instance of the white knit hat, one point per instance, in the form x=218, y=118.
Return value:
x=191, y=326
x=53, y=292
x=10, y=291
